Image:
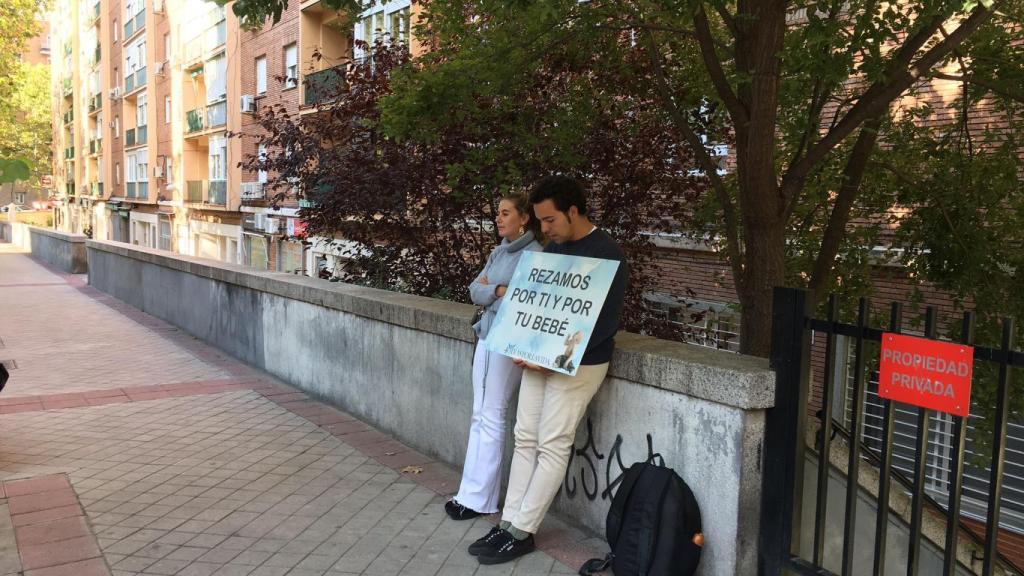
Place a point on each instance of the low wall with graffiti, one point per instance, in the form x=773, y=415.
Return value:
x=403, y=363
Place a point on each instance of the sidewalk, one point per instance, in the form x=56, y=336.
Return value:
x=129, y=447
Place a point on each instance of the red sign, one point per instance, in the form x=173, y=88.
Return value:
x=926, y=373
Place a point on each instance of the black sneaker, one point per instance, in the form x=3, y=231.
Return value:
x=459, y=512
x=489, y=542
x=508, y=550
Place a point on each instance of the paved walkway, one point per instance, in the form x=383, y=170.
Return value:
x=128, y=447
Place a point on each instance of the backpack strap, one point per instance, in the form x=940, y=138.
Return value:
x=656, y=459
x=595, y=565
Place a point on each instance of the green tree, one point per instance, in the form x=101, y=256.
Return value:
x=813, y=93
x=819, y=98
x=25, y=121
x=17, y=26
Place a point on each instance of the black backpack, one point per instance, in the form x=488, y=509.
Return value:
x=653, y=526
x=4, y=375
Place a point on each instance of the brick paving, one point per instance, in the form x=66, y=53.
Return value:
x=182, y=460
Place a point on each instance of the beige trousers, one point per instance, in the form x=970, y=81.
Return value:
x=550, y=408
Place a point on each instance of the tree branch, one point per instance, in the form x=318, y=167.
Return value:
x=880, y=95
x=703, y=158
x=853, y=176
x=714, y=66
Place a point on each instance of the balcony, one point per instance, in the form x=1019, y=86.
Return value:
x=206, y=117
x=95, y=103
x=213, y=192
x=194, y=191
x=69, y=153
x=216, y=114
x=324, y=85
x=218, y=192
x=67, y=87
x=138, y=190
x=135, y=81
x=252, y=191
x=194, y=121
x=136, y=136
x=95, y=146
x=209, y=38
x=135, y=24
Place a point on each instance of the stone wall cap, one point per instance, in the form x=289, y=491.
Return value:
x=66, y=236
x=685, y=368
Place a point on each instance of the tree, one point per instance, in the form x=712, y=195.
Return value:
x=25, y=129
x=809, y=88
x=17, y=26
x=815, y=96
x=415, y=214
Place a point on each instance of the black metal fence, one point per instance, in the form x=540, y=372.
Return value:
x=786, y=444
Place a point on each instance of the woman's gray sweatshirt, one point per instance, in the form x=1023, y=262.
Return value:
x=498, y=270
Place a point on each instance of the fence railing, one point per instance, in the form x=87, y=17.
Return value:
x=137, y=190
x=252, y=190
x=323, y=85
x=135, y=24
x=217, y=192
x=135, y=80
x=873, y=446
x=194, y=191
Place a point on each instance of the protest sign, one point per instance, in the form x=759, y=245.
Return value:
x=549, y=311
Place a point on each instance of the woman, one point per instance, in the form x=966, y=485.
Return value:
x=495, y=378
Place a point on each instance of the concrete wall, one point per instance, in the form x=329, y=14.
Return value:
x=15, y=233
x=61, y=249
x=402, y=363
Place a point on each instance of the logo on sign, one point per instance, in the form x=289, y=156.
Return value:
x=926, y=373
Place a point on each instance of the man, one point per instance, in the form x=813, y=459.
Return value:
x=552, y=404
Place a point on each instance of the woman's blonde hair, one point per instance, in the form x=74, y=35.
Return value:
x=521, y=202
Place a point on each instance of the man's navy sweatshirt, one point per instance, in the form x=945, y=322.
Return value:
x=598, y=244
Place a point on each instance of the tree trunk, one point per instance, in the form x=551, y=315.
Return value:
x=757, y=54
x=766, y=269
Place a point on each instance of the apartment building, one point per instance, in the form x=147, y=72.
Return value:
x=146, y=94
x=141, y=155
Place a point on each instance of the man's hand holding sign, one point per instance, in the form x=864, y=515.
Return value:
x=550, y=309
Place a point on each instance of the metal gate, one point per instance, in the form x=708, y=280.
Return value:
x=787, y=447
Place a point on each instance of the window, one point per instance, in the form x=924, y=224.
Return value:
x=390, y=19
x=169, y=171
x=167, y=109
x=215, y=71
x=117, y=173
x=114, y=31
x=261, y=176
x=218, y=158
x=261, y=75
x=117, y=126
x=291, y=66
x=167, y=47
x=141, y=110
x=19, y=197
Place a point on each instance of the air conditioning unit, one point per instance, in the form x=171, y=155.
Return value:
x=158, y=171
x=160, y=68
x=271, y=225
x=248, y=104
x=158, y=6
x=115, y=93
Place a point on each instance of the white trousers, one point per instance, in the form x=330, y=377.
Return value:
x=495, y=379
x=550, y=408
